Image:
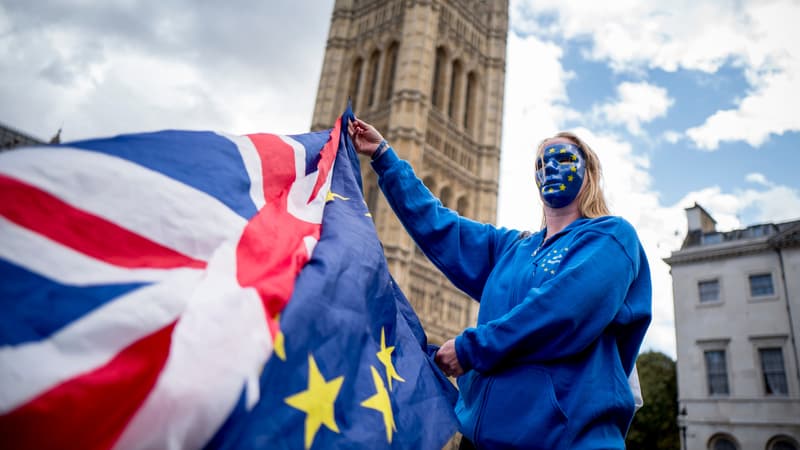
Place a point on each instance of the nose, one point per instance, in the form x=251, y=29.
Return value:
x=551, y=167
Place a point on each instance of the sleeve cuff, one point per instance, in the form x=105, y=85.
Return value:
x=462, y=353
x=385, y=160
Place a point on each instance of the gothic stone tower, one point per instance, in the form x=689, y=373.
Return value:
x=429, y=74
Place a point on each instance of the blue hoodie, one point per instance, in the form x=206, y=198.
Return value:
x=559, y=326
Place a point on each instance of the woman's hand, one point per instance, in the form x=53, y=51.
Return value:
x=364, y=136
x=447, y=359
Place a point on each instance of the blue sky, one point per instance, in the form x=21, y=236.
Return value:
x=685, y=101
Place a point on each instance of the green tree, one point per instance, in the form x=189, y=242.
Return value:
x=655, y=425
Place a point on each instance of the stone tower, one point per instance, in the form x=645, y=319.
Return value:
x=430, y=76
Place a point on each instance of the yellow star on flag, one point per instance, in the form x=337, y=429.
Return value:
x=317, y=402
x=563, y=150
x=574, y=158
x=569, y=178
x=278, y=346
x=574, y=169
x=562, y=187
x=552, y=150
x=380, y=402
x=332, y=196
x=385, y=357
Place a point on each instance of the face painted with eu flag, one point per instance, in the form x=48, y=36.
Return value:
x=560, y=170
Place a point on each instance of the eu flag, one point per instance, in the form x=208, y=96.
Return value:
x=354, y=370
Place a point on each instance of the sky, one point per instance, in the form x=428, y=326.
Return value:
x=684, y=101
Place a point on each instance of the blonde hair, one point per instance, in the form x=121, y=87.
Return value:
x=591, y=202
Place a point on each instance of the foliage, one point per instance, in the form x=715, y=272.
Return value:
x=655, y=425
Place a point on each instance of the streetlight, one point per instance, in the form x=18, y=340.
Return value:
x=682, y=425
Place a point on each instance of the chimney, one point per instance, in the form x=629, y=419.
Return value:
x=700, y=220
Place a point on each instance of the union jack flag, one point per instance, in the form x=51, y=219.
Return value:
x=187, y=289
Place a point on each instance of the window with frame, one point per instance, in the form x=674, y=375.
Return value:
x=708, y=291
x=761, y=285
x=716, y=372
x=773, y=370
x=722, y=443
x=782, y=443
x=372, y=77
x=355, y=82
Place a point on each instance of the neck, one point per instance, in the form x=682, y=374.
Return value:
x=559, y=218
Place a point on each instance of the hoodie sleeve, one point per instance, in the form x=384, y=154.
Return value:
x=562, y=316
x=464, y=250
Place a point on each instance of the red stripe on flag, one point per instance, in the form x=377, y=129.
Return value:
x=327, y=155
x=271, y=251
x=44, y=213
x=91, y=410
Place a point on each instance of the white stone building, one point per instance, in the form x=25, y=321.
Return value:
x=737, y=321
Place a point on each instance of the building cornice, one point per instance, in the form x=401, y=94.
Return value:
x=718, y=251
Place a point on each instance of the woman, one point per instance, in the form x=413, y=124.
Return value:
x=562, y=311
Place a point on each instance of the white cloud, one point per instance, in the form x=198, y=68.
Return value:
x=772, y=65
x=754, y=35
x=757, y=178
x=109, y=68
x=671, y=136
x=768, y=109
x=636, y=103
x=775, y=204
x=736, y=209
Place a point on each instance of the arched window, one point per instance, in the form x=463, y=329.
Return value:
x=469, y=112
x=446, y=196
x=372, y=77
x=390, y=63
x=782, y=443
x=355, y=81
x=462, y=206
x=438, y=78
x=722, y=442
x=455, y=89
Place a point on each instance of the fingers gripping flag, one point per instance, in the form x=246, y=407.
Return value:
x=193, y=289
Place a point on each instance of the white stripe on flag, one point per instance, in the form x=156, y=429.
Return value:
x=301, y=189
x=144, y=201
x=219, y=347
x=31, y=368
x=64, y=265
x=252, y=163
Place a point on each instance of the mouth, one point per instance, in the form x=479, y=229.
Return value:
x=551, y=183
